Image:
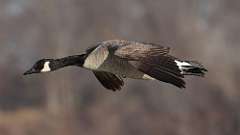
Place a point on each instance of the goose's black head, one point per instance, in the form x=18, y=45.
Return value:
x=43, y=65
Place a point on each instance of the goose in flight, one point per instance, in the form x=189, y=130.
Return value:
x=113, y=60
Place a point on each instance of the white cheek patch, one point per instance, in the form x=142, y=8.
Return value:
x=46, y=67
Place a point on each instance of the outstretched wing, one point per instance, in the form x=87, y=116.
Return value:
x=162, y=68
x=153, y=60
x=109, y=80
x=137, y=50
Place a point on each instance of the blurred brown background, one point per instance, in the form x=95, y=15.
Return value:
x=71, y=101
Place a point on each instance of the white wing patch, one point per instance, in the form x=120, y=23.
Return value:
x=181, y=64
x=96, y=58
x=46, y=67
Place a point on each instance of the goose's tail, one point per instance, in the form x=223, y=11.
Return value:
x=191, y=68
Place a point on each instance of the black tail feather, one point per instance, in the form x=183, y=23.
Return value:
x=195, y=68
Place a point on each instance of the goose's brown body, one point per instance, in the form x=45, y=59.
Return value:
x=118, y=56
x=122, y=68
x=138, y=61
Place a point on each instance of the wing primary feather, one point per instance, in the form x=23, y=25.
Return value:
x=162, y=68
x=163, y=75
x=109, y=80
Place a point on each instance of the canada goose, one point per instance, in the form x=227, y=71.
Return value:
x=112, y=60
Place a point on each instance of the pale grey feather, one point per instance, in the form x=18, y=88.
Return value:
x=96, y=57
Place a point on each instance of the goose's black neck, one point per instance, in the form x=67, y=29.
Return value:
x=75, y=60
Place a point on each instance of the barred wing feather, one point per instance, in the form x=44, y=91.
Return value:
x=137, y=51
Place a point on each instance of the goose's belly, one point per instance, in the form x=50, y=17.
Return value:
x=122, y=68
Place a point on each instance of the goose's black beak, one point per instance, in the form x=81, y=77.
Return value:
x=31, y=71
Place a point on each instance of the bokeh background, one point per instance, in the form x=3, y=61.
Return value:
x=71, y=101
